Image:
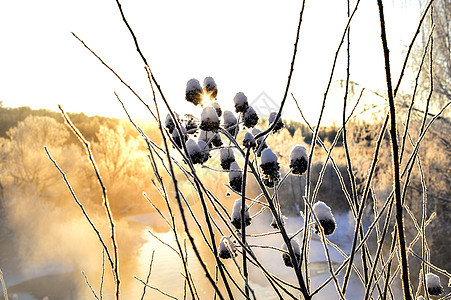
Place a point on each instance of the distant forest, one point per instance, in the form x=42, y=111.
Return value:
x=10, y=117
x=90, y=125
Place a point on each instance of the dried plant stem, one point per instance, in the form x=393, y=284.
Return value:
x=305, y=240
x=279, y=113
x=154, y=288
x=243, y=223
x=148, y=275
x=2, y=280
x=395, y=160
x=89, y=285
x=106, y=203
x=110, y=260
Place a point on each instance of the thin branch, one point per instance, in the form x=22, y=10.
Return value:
x=106, y=203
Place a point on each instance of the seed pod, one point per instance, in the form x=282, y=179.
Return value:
x=268, y=163
x=209, y=120
x=298, y=160
x=420, y=298
x=169, y=123
x=325, y=217
x=433, y=284
x=227, y=157
x=279, y=123
x=230, y=123
x=260, y=140
x=179, y=139
x=269, y=182
x=210, y=138
x=236, y=214
x=217, y=108
x=190, y=124
x=249, y=141
x=235, y=177
x=194, y=151
x=274, y=222
x=250, y=117
x=226, y=248
x=241, y=104
x=193, y=92
x=210, y=87
x=297, y=252
x=205, y=150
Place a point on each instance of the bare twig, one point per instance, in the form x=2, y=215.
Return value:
x=5, y=291
x=106, y=203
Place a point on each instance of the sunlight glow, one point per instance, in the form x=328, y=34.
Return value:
x=206, y=100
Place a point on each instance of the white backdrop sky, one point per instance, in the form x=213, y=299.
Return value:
x=245, y=45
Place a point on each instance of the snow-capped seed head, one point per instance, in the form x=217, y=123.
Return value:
x=297, y=252
x=433, y=284
x=235, y=176
x=420, y=298
x=193, y=91
x=205, y=150
x=236, y=214
x=250, y=117
x=325, y=217
x=260, y=140
x=269, y=181
x=268, y=156
x=210, y=87
x=249, y=141
x=176, y=136
x=240, y=101
x=298, y=160
x=227, y=157
x=190, y=124
x=269, y=164
x=210, y=138
x=169, y=123
x=217, y=141
x=209, y=119
x=226, y=248
x=206, y=136
x=218, y=109
x=279, y=123
x=230, y=122
x=255, y=132
x=194, y=151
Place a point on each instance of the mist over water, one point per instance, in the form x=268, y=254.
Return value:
x=49, y=246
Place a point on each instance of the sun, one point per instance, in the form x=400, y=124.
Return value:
x=206, y=99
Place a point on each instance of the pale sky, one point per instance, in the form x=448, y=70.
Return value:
x=245, y=46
